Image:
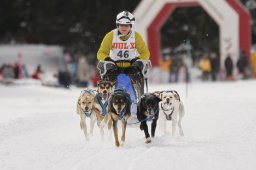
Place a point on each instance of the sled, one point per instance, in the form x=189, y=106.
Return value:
x=133, y=82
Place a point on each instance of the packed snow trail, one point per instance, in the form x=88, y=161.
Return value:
x=39, y=129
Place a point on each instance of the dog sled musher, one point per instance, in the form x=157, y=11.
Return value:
x=123, y=57
x=132, y=79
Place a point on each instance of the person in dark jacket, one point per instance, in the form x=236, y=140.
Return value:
x=242, y=64
x=229, y=66
x=214, y=65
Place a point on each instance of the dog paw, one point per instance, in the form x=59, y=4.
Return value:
x=123, y=138
x=87, y=138
x=181, y=132
x=117, y=143
x=148, y=140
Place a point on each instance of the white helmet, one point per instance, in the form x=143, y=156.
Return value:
x=125, y=18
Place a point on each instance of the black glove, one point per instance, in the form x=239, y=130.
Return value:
x=133, y=60
x=108, y=59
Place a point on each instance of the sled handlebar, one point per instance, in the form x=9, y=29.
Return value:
x=143, y=66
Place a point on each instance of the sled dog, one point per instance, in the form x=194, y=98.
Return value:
x=100, y=106
x=84, y=109
x=119, y=110
x=148, y=109
x=171, y=109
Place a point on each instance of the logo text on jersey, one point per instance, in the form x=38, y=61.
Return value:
x=123, y=45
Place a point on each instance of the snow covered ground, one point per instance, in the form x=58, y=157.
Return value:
x=39, y=129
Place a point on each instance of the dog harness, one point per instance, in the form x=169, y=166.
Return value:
x=103, y=106
x=166, y=111
x=85, y=91
x=149, y=118
x=121, y=116
x=123, y=91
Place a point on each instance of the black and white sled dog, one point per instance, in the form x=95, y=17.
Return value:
x=171, y=109
x=84, y=110
x=148, y=109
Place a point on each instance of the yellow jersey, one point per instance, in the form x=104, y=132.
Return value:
x=107, y=45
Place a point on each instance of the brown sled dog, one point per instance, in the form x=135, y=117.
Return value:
x=84, y=109
x=100, y=105
x=119, y=109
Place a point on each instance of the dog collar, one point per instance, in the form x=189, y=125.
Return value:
x=122, y=113
x=172, y=110
x=149, y=118
x=165, y=109
x=88, y=114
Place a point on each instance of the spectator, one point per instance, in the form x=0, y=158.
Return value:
x=214, y=65
x=71, y=66
x=95, y=77
x=174, y=70
x=82, y=72
x=17, y=71
x=165, y=64
x=1, y=73
x=242, y=65
x=205, y=66
x=253, y=65
x=183, y=72
x=64, y=78
x=8, y=72
x=229, y=66
x=24, y=71
x=37, y=73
